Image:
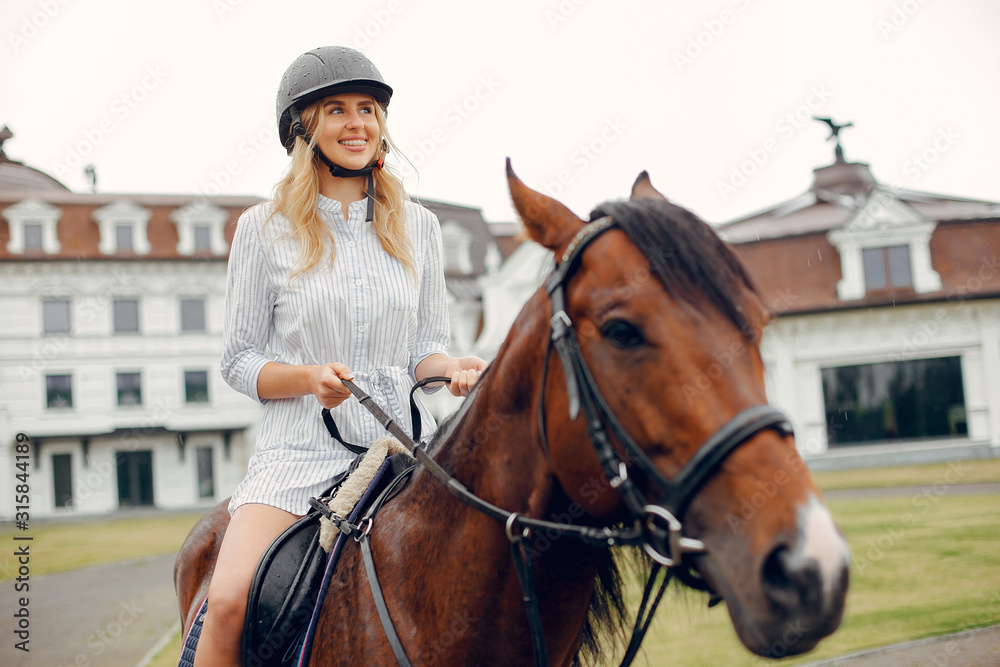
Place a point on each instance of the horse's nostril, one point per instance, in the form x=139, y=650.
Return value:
x=791, y=581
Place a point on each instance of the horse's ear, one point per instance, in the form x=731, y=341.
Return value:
x=643, y=189
x=547, y=222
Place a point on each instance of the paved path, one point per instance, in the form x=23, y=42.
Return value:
x=907, y=491
x=109, y=615
x=973, y=648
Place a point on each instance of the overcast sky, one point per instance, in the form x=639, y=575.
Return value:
x=711, y=97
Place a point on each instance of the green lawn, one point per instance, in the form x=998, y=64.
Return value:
x=933, y=572
x=962, y=472
x=59, y=547
x=923, y=566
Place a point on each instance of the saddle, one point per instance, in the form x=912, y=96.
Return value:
x=291, y=578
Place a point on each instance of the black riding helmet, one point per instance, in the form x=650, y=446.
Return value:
x=316, y=74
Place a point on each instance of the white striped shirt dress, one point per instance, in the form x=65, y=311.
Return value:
x=365, y=312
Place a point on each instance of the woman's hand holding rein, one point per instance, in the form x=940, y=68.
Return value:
x=291, y=381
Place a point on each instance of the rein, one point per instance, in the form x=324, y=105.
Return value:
x=654, y=527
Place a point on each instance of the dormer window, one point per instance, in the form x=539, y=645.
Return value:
x=32, y=225
x=887, y=268
x=884, y=246
x=123, y=228
x=201, y=229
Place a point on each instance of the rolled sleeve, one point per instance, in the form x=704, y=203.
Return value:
x=249, y=309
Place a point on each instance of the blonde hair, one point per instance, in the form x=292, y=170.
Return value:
x=295, y=197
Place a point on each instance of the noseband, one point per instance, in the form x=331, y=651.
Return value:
x=661, y=523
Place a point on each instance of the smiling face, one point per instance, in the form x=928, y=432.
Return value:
x=349, y=133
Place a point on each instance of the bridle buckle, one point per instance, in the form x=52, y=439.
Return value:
x=676, y=544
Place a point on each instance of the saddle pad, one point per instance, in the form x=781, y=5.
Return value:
x=191, y=641
x=290, y=580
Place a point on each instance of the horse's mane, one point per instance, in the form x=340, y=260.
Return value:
x=686, y=255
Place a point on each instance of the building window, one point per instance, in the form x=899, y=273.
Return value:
x=891, y=401
x=887, y=268
x=123, y=238
x=62, y=480
x=59, y=391
x=196, y=386
x=129, y=389
x=126, y=315
x=206, y=476
x=201, y=229
x=202, y=238
x=193, y=314
x=33, y=238
x=122, y=225
x=56, y=316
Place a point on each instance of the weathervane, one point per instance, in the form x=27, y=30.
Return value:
x=5, y=134
x=838, y=151
x=90, y=171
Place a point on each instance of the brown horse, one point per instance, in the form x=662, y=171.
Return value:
x=664, y=327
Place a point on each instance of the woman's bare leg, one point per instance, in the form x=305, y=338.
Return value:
x=252, y=529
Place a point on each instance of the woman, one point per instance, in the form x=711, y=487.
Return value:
x=339, y=277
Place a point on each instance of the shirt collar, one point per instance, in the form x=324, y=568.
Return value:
x=332, y=205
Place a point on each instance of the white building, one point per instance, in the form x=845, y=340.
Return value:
x=110, y=346
x=885, y=346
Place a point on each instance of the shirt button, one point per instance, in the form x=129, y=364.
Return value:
x=359, y=282
x=361, y=328
x=350, y=244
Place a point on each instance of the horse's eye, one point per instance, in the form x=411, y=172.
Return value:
x=622, y=334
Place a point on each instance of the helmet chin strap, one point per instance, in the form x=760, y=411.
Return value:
x=340, y=172
x=298, y=130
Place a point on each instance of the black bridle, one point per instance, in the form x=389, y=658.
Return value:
x=655, y=527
